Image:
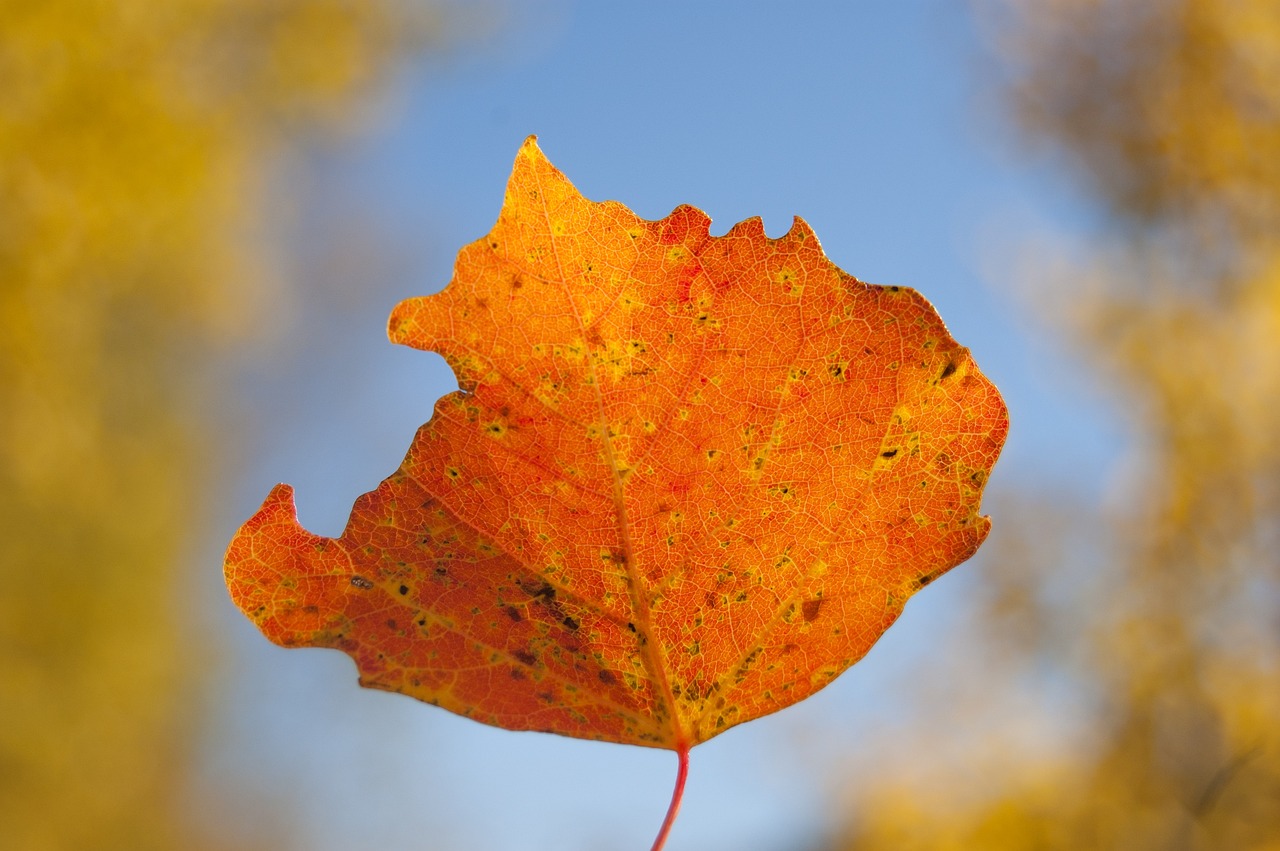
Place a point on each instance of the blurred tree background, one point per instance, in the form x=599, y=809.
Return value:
x=1162, y=605
x=142, y=146
x=137, y=147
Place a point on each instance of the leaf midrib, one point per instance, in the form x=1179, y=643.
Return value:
x=649, y=650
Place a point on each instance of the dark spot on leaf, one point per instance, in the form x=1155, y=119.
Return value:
x=570, y=622
x=514, y=614
x=361, y=583
x=631, y=626
x=888, y=453
x=525, y=657
x=949, y=369
x=542, y=592
x=404, y=589
x=391, y=623
x=810, y=610
x=607, y=677
x=517, y=674
x=925, y=580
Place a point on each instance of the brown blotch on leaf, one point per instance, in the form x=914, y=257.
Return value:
x=525, y=657
x=542, y=592
x=607, y=677
x=361, y=583
x=810, y=610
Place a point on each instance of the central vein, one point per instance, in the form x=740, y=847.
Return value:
x=651, y=653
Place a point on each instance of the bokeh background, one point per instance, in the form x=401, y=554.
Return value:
x=208, y=207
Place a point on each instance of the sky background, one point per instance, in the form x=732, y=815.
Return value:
x=875, y=122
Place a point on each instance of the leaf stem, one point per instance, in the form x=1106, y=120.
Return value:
x=677, y=795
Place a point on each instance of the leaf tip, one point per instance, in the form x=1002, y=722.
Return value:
x=400, y=324
x=241, y=560
x=277, y=510
x=801, y=231
x=279, y=500
x=530, y=148
x=752, y=228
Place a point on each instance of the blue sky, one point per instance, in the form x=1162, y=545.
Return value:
x=870, y=120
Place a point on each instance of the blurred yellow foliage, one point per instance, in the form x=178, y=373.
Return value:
x=136, y=140
x=1170, y=112
x=1168, y=107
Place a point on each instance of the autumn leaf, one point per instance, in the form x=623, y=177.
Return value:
x=687, y=481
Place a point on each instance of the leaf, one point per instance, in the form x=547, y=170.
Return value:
x=688, y=480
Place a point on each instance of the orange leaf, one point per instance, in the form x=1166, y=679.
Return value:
x=688, y=479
